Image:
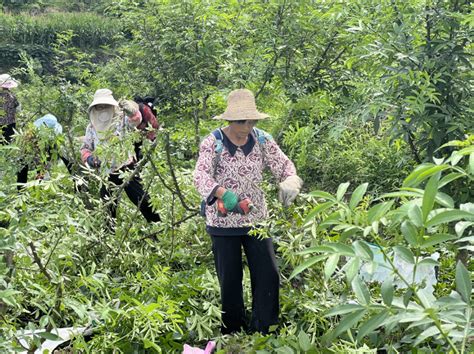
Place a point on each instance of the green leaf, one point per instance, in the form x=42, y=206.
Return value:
x=347, y=322
x=378, y=211
x=463, y=282
x=387, y=291
x=429, y=332
x=304, y=341
x=436, y=239
x=361, y=291
x=461, y=226
x=349, y=232
x=428, y=261
x=429, y=195
x=317, y=249
x=330, y=265
x=284, y=350
x=448, y=216
x=48, y=335
x=405, y=253
x=343, y=309
x=322, y=194
x=471, y=163
x=343, y=249
x=357, y=195
x=407, y=296
x=341, y=190
x=416, y=216
x=306, y=264
x=316, y=210
x=410, y=232
x=371, y=324
x=421, y=173
x=363, y=250
x=449, y=178
x=352, y=268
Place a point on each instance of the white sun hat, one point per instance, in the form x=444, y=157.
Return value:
x=102, y=119
x=241, y=106
x=6, y=81
x=103, y=96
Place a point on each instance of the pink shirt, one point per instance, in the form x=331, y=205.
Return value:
x=242, y=174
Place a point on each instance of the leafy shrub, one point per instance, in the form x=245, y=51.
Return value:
x=410, y=228
x=355, y=155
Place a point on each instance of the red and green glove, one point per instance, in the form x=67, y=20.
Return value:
x=230, y=202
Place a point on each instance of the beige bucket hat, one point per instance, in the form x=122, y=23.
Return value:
x=103, y=96
x=241, y=106
x=6, y=81
x=102, y=119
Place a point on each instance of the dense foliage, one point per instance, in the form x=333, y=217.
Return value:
x=372, y=93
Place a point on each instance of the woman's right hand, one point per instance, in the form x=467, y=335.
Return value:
x=93, y=162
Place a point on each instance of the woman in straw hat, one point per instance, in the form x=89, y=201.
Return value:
x=105, y=120
x=9, y=105
x=227, y=175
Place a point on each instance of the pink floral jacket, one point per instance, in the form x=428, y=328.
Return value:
x=240, y=173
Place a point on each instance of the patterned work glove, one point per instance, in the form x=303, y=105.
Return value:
x=93, y=162
x=289, y=189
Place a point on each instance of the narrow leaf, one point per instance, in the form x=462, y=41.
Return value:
x=463, y=282
x=410, y=232
x=348, y=322
x=352, y=268
x=357, y=195
x=416, y=215
x=429, y=332
x=448, y=216
x=449, y=178
x=306, y=264
x=361, y=291
x=371, y=324
x=304, y=341
x=461, y=226
x=322, y=194
x=330, y=266
x=436, y=239
x=49, y=335
x=429, y=195
x=378, y=211
x=341, y=190
x=405, y=253
x=316, y=210
x=387, y=291
x=343, y=309
x=363, y=250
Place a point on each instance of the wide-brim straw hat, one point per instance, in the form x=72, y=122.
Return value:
x=241, y=106
x=103, y=96
x=6, y=81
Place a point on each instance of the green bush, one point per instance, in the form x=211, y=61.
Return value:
x=356, y=155
x=410, y=224
x=36, y=35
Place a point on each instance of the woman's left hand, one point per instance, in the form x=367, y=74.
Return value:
x=289, y=189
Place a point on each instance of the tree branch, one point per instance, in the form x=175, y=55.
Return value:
x=37, y=260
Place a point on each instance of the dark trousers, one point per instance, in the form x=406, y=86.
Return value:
x=22, y=176
x=7, y=133
x=264, y=277
x=135, y=192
